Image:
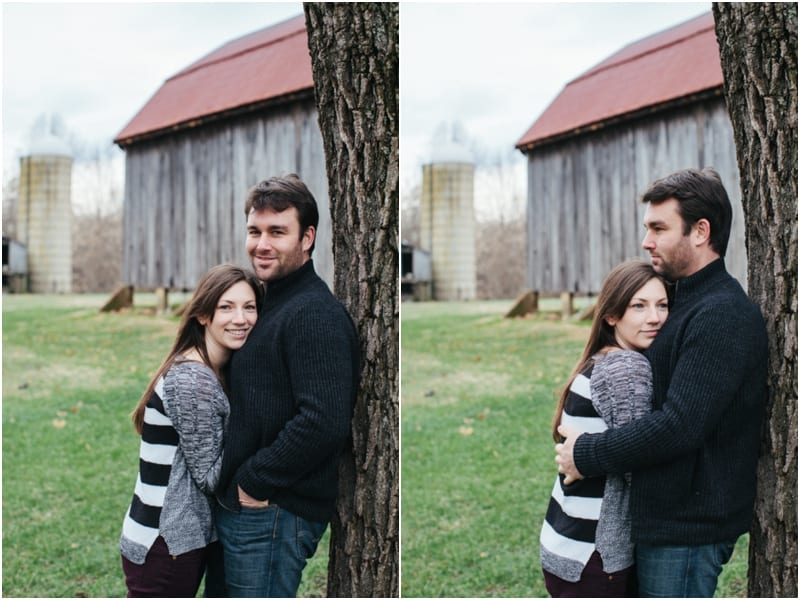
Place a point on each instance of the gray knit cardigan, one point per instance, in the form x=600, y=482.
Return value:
x=622, y=391
x=198, y=408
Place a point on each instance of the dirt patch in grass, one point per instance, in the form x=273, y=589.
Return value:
x=38, y=379
x=450, y=386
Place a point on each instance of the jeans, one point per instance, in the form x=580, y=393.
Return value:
x=681, y=571
x=265, y=550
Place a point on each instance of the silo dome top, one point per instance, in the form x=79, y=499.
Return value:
x=48, y=145
x=445, y=151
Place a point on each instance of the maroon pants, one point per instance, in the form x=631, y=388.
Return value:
x=163, y=575
x=594, y=582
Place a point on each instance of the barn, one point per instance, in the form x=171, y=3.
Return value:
x=240, y=114
x=653, y=107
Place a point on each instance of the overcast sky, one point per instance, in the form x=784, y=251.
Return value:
x=491, y=67
x=494, y=68
x=97, y=64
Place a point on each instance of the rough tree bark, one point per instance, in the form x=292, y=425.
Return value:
x=758, y=50
x=355, y=64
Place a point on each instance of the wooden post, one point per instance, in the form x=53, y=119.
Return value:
x=567, y=304
x=525, y=304
x=162, y=301
x=121, y=297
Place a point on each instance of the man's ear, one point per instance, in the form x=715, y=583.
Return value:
x=701, y=232
x=309, y=235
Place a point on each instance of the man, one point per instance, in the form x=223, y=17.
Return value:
x=694, y=458
x=292, y=387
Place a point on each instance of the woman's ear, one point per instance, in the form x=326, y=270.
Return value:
x=612, y=321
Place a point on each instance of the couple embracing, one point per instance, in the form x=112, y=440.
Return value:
x=658, y=429
x=244, y=423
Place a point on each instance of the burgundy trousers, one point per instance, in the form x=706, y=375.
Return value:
x=163, y=575
x=594, y=582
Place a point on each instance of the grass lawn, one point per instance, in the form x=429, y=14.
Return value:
x=478, y=393
x=71, y=377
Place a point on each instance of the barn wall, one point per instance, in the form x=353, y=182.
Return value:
x=184, y=194
x=584, y=210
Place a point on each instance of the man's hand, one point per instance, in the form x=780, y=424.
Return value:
x=247, y=501
x=566, y=464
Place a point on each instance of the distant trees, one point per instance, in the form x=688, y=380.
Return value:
x=500, y=232
x=97, y=188
x=96, y=251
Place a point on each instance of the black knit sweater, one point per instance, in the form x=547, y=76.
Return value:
x=694, y=458
x=292, y=389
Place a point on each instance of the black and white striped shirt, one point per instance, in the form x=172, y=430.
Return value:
x=593, y=513
x=156, y=453
x=180, y=458
x=568, y=532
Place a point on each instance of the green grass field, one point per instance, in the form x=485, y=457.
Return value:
x=71, y=377
x=478, y=393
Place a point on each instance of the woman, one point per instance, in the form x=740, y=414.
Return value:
x=181, y=418
x=585, y=540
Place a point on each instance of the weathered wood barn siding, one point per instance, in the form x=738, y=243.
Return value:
x=185, y=193
x=651, y=108
x=584, y=194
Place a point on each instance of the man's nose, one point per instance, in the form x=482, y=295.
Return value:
x=263, y=242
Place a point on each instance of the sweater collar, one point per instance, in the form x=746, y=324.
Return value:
x=279, y=287
x=699, y=282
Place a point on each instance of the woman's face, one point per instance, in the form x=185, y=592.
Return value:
x=646, y=313
x=233, y=318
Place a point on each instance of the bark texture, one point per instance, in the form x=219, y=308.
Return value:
x=355, y=63
x=758, y=50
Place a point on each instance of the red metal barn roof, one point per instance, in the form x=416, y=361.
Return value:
x=654, y=72
x=262, y=66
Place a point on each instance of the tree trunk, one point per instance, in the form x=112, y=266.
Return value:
x=354, y=57
x=758, y=50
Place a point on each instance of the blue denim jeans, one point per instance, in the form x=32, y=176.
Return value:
x=265, y=550
x=680, y=571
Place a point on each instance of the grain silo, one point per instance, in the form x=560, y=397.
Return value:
x=44, y=214
x=447, y=222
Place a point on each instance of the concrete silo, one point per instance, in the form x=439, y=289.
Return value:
x=447, y=222
x=44, y=214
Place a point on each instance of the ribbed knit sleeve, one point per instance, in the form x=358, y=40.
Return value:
x=197, y=406
x=622, y=387
x=621, y=391
x=713, y=355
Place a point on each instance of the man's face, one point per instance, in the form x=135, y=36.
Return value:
x=671, y=252
x=274, y=243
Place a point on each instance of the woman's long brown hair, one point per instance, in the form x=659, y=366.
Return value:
x=618, y=288
x=191, y=334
